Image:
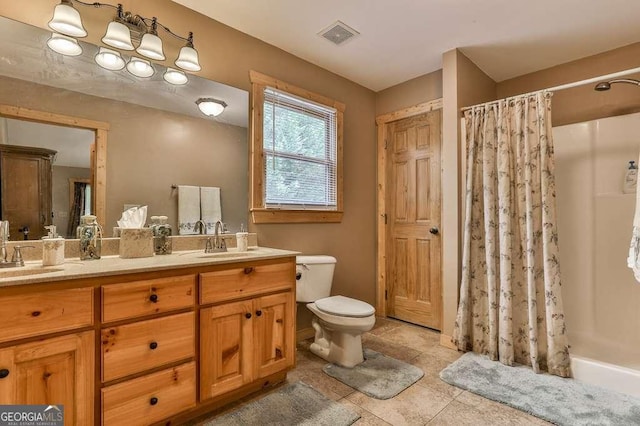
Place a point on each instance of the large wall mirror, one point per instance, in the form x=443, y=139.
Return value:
x=157, y=137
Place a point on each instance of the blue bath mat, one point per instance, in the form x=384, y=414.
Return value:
x=552, y=398
x=379, y=376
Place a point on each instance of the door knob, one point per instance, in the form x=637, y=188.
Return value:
x=434, y=230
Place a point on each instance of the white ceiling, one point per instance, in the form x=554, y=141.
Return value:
x=403, y=39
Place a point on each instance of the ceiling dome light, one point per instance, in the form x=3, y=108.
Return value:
x=118, y=36
x=151, y=47
x=109, y=59
x=175, y=76
x=66, y=20
x=64, y=45
x=211, y=107
x=188, y=59
x=140, y=67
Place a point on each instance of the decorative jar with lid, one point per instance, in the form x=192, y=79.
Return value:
x=90, y=235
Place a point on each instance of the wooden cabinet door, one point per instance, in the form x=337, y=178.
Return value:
x=274, y=333
x=225, y=348
x=56, y=371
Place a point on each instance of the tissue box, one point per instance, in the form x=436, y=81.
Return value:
x=136, y=242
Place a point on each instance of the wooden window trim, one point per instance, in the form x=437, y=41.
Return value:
x=259, y=212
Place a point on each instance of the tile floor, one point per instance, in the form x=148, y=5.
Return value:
x=428, y=402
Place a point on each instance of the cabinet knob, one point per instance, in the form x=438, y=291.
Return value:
x=153, y=345
x=4, y=373
x=153, y=401
x=247, y=315
x=434, y=230
x=258, y=312
x=248, y=270
x=153, y=298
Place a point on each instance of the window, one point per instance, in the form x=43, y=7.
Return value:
x=296, y=154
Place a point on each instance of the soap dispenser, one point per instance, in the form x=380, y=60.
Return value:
x=630, y=179
x=52, y=247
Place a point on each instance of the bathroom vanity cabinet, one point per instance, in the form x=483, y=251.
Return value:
x=154, y=347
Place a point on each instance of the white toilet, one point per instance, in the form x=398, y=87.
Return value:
x=338, y=321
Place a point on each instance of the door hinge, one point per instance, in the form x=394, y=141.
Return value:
x=385, y=295
x=384, y=215
x=385, y=144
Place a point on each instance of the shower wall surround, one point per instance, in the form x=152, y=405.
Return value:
x=601, y=296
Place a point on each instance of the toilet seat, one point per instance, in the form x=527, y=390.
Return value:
x=345, y=307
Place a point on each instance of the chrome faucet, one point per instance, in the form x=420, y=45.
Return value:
x=203, y=227
x=219, y=244
x=16, y=259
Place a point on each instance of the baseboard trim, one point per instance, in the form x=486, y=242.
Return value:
x=304, y=334
x=446, y=342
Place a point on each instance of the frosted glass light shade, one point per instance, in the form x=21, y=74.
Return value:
x=188, y=59
x=175, y=76
x=151, y=47
x=140, y=67
x=109, y=59
x=118, y=35
x=211, y=107
x=64, y=45
x=66, y=20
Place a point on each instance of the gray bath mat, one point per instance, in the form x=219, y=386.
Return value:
x=378, y=376
x=294, y=404
x=552, y=398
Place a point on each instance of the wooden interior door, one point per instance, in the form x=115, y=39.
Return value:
x=56, y=371
x=413, y=285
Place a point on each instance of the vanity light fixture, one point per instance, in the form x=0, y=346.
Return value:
x=211, y=107
x=64, y=45
x=109, y=59
x=140, y=67
x=67, y=21
x=174, y=76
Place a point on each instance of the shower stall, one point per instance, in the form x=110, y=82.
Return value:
x=595, y=218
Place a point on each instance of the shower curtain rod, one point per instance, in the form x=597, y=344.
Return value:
x=563, y=86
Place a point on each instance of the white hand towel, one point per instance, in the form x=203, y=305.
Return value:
x=633, y=261
x=188, y=209
x=210, y=209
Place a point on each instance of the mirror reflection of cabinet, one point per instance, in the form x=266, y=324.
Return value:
x=25, y=190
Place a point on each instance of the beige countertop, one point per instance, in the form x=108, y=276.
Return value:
x=33, y=272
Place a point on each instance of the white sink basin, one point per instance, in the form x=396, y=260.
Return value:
x=21, y=271
x=225, y=255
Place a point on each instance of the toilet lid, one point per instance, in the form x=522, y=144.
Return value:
x=345, y=307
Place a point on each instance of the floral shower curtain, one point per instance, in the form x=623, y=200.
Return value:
x=510, y=301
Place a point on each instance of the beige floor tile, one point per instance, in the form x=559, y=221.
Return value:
x=385, y=324
x=459, y=414
x=414, y=406
x=394, y=350
x=443, y=353
x=414, y=337
x=496, y=409
x=432, y=365
x=366, y=418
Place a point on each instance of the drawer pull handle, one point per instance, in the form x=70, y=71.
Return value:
x=35, y=313
x=4, y=373
x=153, y=401
x=153, y=345
x=247, y=315
x=247, y=271
x=153, y=298
x=258, y=313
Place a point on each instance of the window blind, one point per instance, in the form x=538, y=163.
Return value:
x=300, y=151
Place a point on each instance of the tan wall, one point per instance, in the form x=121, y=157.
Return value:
x=227, y=56
x=463, y=84
x=583, y=103
x=148, y=150
x=412, y=92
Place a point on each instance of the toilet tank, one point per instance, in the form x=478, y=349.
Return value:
x=314, y=275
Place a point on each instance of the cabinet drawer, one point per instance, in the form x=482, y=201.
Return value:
x=151, y=398
x=137, y=347
x=247, y=280
x=28, y=315
x=139, y=298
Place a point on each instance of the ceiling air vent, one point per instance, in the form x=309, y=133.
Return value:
x=338, y=32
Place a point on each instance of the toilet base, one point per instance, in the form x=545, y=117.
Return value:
x=338, y=347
